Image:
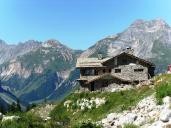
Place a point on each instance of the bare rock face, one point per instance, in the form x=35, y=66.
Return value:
x=38, y=69
x=15, y=68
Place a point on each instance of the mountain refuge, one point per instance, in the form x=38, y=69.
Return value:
x=105, y=73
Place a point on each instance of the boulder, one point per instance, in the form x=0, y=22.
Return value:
x=165, y=115
x=140, y=120
x=167, y=101
x=111, y=117
x=167, y=125
x=157, y=124
x=128, y=118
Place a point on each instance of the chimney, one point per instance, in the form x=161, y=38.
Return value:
x=129, y=50
x=100, y=56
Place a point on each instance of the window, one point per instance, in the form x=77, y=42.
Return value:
x=117, y=70
x=88, y=72
x=96, y=72
x=138, y=70
x=110, y=70
x=104, y=70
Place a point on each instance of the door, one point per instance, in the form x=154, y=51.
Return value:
x=92, y=86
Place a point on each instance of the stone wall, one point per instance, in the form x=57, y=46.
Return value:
x=127, y=64
x=128, y=73
x=103, y=85
x=112, y=87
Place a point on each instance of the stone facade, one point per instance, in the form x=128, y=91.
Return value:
x=132, y=72
x=122, y=69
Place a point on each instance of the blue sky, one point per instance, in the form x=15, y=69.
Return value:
x=76, y=23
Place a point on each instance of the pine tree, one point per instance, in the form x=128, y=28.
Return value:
x=18, y=105
x=2, y=109
x=12, y=107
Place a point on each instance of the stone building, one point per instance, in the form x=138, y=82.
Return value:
x=125, y=68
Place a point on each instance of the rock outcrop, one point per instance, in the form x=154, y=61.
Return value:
x=147, y=114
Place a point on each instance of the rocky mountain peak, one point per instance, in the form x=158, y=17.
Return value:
x=29, y=45
x=30, y=42
x=156, y=24
x=150, y=40
x=160, y=22
x=53, y=43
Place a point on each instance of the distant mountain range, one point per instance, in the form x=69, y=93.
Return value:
x=38, y=71
x=34, y=71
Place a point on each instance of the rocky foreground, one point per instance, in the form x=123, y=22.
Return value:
x=147, y=114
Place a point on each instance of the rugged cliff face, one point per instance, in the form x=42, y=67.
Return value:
x=150, y=40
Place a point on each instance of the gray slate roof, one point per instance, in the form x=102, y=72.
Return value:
x=90, y=62
x=95, y=62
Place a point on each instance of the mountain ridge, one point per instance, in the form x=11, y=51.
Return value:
x=38, y=74
x=142, y=36
x=46, y=70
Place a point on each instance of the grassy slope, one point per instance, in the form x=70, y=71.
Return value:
x=163, y=87
x=116, y=102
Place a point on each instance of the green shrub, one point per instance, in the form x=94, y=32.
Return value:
x=162, y=90
x=74, y=106
x=93, y=105
x=85, y=109
x=52, y=124
x=61, y=115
